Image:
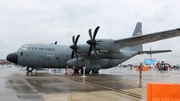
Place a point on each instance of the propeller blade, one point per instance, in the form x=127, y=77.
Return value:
x=94, y=49
x=73, y=39
x=95, y=32
x=90, y=48
x=74, y=46
x=77, y=39
x=72, y=54
x=55, y=42
x=75, y=51
x=92, y=41
x=90, y=33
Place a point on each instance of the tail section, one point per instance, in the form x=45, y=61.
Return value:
x=137, y=31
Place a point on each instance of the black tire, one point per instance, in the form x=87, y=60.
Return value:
x=76, y=70
x=95, y=71
x=29, y=69
x=82, y=71
x=86, y=71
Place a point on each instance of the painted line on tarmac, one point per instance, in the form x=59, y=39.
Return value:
x=112, y=89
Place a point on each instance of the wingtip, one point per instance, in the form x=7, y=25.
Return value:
x=170, y=50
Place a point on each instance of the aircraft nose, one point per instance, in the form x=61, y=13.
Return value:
x=12, y=57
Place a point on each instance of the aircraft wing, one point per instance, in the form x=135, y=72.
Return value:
x=142, y=39
x=153, y=51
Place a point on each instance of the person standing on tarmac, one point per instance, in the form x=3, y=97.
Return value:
x=140, y=70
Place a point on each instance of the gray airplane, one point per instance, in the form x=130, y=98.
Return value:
x=95, y=55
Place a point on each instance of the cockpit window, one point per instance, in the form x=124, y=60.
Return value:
x=25, y=47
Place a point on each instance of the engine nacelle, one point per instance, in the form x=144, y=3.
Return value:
x=105, y=45
x=83, y=48
x=75, y=62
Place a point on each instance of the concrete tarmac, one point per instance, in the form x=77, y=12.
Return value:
x=115, y=84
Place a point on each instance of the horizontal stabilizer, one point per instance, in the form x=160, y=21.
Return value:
x=153, y=52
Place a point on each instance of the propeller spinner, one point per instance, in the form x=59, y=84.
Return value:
x=92, y=42
x=74, y=46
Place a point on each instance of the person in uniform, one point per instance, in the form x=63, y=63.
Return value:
x=140, y=70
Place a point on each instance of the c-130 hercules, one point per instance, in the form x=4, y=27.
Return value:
x=95, y=55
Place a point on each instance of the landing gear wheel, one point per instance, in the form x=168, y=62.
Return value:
x=95, y=71
x=76, y=70
x=87, y=71
x=82, y=70
x=29, y=69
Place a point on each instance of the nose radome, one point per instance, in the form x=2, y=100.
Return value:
x=12, y=57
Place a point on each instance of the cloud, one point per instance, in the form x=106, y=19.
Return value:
x=44, y=21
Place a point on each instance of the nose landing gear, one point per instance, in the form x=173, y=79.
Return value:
x=29, y=69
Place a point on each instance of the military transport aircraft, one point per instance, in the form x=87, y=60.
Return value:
x=95, y=55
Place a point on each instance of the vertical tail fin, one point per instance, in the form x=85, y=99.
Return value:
x=137, y=31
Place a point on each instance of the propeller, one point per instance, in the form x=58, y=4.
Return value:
x=74, y=46
x=92, y=42
x=55, y=42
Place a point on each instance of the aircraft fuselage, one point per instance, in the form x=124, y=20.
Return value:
x=57, y=56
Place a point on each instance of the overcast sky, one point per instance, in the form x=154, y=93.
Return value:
x=47, y=21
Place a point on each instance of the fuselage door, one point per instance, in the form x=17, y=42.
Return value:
x=41, y=61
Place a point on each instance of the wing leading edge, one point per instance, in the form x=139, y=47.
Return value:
x=142, y=39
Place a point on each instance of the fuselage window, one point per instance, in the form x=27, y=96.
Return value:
x=25, y=47
x=21, y=53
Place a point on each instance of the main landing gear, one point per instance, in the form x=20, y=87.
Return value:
x=90, y=71
x=29, y=69
x=95, y=71
x=76, y=70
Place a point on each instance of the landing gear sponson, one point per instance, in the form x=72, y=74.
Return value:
x=30, y=69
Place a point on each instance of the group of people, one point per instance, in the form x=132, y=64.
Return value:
x=162, y=66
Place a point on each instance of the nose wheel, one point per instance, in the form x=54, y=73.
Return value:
x=29, y=69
